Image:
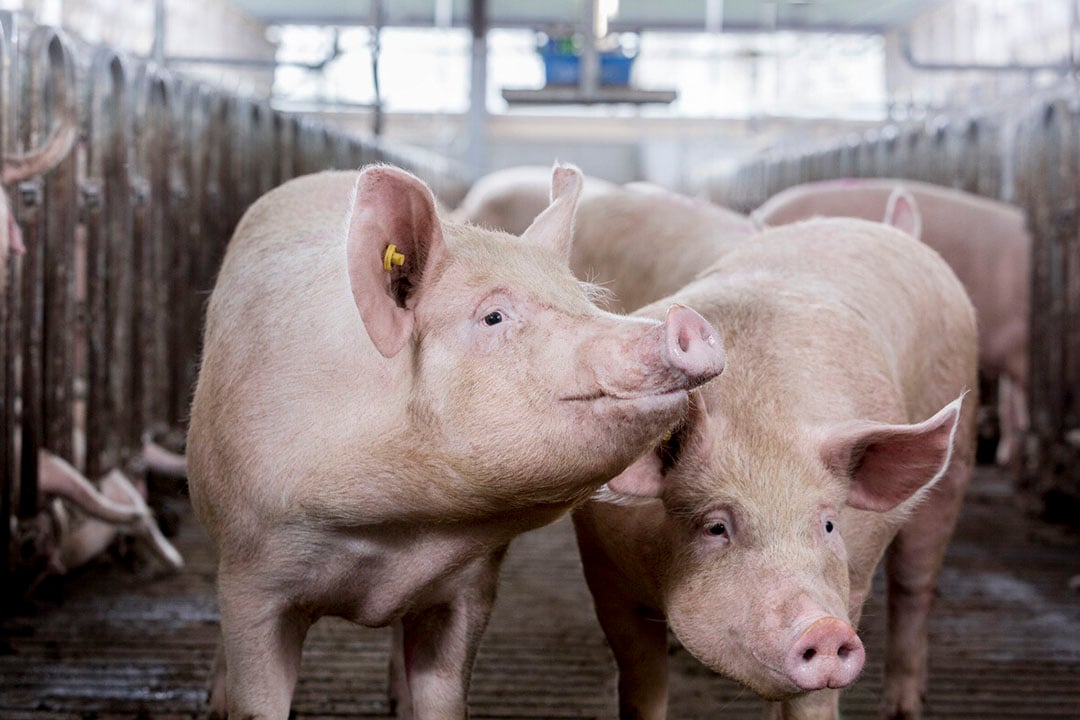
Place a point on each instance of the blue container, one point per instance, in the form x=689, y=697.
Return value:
x=615, y=69
x=561, y=68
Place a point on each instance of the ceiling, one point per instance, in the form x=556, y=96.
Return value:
x=855, y=16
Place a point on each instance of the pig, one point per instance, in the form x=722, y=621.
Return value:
x=89, y=519
x=836, y=436
x=385, y=400
x=80, y=520
x=510, y=199
x=986, y=243
x=644, y=243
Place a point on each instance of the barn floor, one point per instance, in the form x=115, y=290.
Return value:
x=115, y=642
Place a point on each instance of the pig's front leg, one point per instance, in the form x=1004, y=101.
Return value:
x=913, y=563
x=217, y=707
x=262, y=639
x=438, y=645
x=638, y=639
x=639, y=644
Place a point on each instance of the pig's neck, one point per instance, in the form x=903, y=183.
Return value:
x=370, y=474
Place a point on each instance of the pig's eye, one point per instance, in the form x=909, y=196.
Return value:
x=829, y=527
x=716, y=529
x=493, y=318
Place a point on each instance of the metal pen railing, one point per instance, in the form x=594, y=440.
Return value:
x=100, y=319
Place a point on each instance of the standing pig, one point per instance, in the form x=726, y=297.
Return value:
x=645, y=243
x=837, y=435
x=986, y=244
x=385, y=401
x=510, y=199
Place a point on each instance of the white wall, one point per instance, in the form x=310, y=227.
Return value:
x=985, y=32
x=216, y=28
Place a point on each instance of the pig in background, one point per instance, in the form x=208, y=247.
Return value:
x=987, y=245
x=510, y=199
x=835, y=437
x=385, y=401
x=641, y=242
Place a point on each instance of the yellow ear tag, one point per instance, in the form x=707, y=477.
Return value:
x=392, y=257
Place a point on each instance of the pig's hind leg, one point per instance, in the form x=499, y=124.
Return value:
x=913, y=563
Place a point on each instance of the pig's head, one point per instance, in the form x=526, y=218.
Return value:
x=758, y=584
x=516, y=380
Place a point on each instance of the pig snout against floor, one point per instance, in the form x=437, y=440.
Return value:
x=828, y=654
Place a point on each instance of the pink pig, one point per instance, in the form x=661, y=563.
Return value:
x=986, y=244
x=642, y=242
x=835, y=436
x=385, y=401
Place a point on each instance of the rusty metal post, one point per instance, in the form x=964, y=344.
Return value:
x=265, y=155
x=8, y=344
x=215, y=150
x=152, y=143
x=110, y=278
x=285, y=129
x=179, y=252
x=192, y=118
x=48, y=312
x=940, y=162
x=242, y=158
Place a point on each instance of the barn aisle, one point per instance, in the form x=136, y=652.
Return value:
x=115, y=642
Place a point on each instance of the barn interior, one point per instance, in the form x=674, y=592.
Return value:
x=135, y=135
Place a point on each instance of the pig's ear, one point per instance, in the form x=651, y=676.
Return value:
x=391, y=207
x=645, y=477
x=902, y=213
x=554, y=227
x=889, y=464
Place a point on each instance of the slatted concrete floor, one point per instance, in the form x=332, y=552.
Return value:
x=112, y=643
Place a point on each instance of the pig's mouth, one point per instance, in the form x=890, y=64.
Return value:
x=783, y=689
x=602, y=395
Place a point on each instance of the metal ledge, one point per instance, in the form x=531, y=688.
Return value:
x=572, y=95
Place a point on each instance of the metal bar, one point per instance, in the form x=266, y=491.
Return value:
x=181, y=345
x=107, y=201
x=60, y=216
x=8, y=348
x=1062, y=67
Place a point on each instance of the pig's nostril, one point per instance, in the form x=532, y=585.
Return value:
x=684, y=340
x=842, y=651
x=809, y=654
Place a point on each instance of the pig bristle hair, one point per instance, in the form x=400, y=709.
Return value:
x=606, y=495
x=597, y=294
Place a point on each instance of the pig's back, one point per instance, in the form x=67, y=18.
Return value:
x=646, y=245
x=286, y=362
x=284, y=272
x=842, y=304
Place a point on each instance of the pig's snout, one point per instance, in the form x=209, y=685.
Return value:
x=828, y=654
x=692, y=346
